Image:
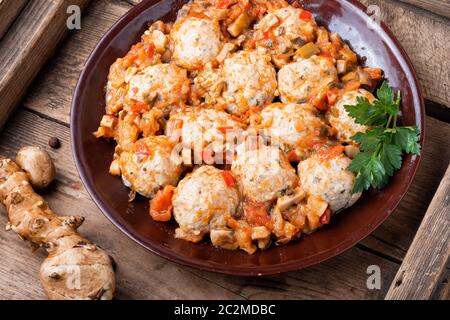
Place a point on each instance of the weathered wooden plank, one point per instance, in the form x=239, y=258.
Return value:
x=428, y=254
x=52, y=92
x=441, y=7
x=144, y=275
x=424, y=38
x=9, y=10
x=395, y=236
x=28, y=44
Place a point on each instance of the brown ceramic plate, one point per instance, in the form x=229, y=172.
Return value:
x=93, y=156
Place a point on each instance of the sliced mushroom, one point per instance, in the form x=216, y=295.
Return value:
x=224, y=239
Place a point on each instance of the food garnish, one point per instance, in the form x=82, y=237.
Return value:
x=383, y=145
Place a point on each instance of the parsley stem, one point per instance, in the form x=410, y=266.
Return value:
x=389, y=122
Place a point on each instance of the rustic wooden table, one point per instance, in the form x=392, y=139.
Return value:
x=422, y=27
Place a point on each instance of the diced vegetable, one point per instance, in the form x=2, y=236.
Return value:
x=352, y=85
x=260, y=233
x=161, y=205
x=224, y=239
x=256, y=214
x=308, y=50
x=331, y=152
x=332, y=96
x=223, y=4
x=139, y=106
x=374, y=73
x=227, y=176
x=306, y=15
x=349, y=76
x=114, y=168
x=341, y=66
x=239, y=25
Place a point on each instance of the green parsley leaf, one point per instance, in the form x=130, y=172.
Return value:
x=383, y=144
x=407, y=138
x=366, y=113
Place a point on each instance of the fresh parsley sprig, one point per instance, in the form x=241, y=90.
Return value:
x=384, y=143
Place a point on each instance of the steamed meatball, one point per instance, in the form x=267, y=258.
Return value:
x=339, y=118
x=298, y=82
x=329, y=179
x=295, y=127
x=202, y=202
x=264, y=173
x=282, y=31
x=199, y=127
x=250, y=81
x=161, y=85
x=196, y=41
x=150, y=166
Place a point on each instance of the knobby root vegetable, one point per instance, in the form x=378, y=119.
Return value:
x=37, y=163
x=75, y=267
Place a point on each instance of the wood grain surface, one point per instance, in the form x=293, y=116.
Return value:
x=428, y=254
x=441, y=7
x=45, y=113
x=425, y=38
x=26, y=47
x=9, y=10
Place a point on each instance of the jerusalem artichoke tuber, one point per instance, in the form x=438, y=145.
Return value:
x=75, y=268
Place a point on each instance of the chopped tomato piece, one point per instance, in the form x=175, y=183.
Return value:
x=233, y=224
x=305, y=15
x=296, y=5
x=150, y=50
x=325, y=218
x=327, y=55
x=332, y=97
x=224, y=130
x=320, y=102
x=256, y=214
x=227, y=176
x=331, y=152
x=139, y=106
x=292, y=156
x=161, y=205
x=223, y=4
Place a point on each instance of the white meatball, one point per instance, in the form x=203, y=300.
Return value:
x=339, y=118
x=203, y=201
x=160, y=85
x=149, y=166
x=293, y=126
x=329, y=179
x=264, y=173
x=298, y=82
x=199, y=127
x=250, y=81
x=286, y=29
x=196, y=42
